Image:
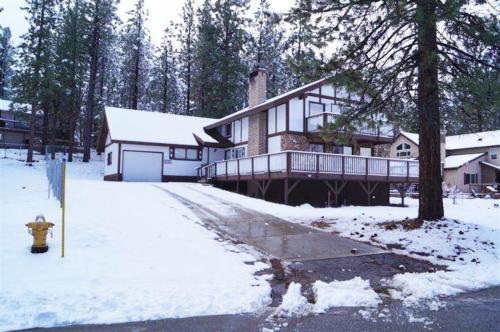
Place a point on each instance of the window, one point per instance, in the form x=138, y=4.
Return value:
x=470, y=178
x=493, y=153
x=403, y=150
x=316, y=148
x=110, y=158
x=239, y=152
x=276, y=119
x=365, y=151
x=228, y=130
x=316, y=108
x=342, y=150
x=185, y=154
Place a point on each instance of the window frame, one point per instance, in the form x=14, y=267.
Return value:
x=493, y=155
x=109, y=158
x=469, y=177
x=199, y=153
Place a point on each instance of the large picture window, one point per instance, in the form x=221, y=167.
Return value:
x=185, y=153
x=403, y=150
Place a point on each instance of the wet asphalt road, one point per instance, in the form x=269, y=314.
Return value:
x=477, y=311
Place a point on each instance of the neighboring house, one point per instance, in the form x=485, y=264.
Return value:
x=405, y=146
x=151, y=146
x=14, y=123
x=483, y=167
x=270, y=149
x=471, y=161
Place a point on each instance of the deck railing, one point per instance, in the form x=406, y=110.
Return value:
x=315, y=122
x=310, y=162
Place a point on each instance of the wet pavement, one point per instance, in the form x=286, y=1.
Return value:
x=274, y=236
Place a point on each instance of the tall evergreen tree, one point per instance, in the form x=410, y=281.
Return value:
x=72, y=64
x=397, y=51
x=136, y=50
x=186, y=39
x=206, y=54
x=6, y=61
x=164, y=91
x=35, y=55
x=232, y=70
x=268, y=49
x=101, y=17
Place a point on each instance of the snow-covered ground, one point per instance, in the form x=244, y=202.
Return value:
x=467, y=242
x=132, y=253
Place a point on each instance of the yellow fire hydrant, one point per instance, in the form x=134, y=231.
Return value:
x=39, y=229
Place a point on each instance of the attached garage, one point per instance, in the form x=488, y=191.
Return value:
x=142, y=166
x=144, y=146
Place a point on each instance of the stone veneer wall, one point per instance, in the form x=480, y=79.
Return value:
x=294, y=142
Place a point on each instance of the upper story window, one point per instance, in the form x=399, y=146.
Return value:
x=403, y=150
x=276, y=119
x=110, y=158
x=316, y=108
x=228, y=130
x=493, y=153
x=316, y=148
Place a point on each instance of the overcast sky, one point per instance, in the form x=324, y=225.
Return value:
x=160, y=13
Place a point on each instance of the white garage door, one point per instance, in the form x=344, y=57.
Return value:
x=141, y=166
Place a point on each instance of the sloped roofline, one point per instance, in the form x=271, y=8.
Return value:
x=408, y=137
x=273, y=102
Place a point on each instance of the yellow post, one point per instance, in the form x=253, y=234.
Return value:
x=63, y=203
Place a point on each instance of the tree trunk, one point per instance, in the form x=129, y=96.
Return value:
x=430, y=196
x=34, y=93
x=45, y=127
x=89, y=112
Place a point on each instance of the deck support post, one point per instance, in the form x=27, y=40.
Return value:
x=285, y=190
x=369, y=189
x=336, y=189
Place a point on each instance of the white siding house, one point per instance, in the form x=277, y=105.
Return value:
x=149, y=146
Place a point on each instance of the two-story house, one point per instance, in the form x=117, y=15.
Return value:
x=470, y=161
x=271, y=149
x=14, y=123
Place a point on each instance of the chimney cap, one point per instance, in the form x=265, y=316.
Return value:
x=256, y=71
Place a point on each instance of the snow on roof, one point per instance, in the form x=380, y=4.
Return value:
x=460, y=159
x=411, y=136
x=474, y=140
x=153, y=127
x=491, y=165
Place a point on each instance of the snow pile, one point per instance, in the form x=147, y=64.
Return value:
x=132, y=253
x=349, y=293
x=413, y=287
x=294, y=303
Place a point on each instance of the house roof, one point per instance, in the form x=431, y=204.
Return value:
x=272, y=102
x=496, y=167
x=460, y=160
x=156, y=128
x=474, y=140
x=411, y=136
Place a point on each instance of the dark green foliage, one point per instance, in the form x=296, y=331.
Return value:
x=6, y=61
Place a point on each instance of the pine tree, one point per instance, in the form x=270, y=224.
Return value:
x=205, y=65
x=35, y=55
x=101, y=17
x=164, y=91
x=72, y=64
x=268, y=50
x=229, y=94
x=186, y=39
x=394, y=54
x=136, y=50
x=6, y=61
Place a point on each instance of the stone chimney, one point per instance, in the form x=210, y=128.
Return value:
x=257, y=123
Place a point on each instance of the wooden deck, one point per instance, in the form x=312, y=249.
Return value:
x=310, y=165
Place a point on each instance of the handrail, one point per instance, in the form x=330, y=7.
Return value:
x=404, y=165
